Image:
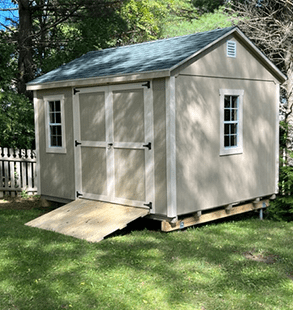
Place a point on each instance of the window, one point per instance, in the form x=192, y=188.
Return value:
x=55, y=129
x=231, y=131
x=231, y=49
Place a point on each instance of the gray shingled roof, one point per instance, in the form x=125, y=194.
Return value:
x=138, y=58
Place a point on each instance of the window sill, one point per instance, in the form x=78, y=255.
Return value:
x=56, y=150
x=231, y=151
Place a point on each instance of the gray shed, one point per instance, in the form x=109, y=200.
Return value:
x=185, y=128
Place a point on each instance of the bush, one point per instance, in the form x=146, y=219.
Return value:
x=281, y=208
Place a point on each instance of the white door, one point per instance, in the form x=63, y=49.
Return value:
x=114, y=144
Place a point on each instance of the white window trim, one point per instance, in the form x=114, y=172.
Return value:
x=238, y=149
x=52, y=149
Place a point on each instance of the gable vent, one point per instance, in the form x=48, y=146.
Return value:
x=231, y=49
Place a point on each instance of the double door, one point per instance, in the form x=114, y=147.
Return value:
x=114, y=144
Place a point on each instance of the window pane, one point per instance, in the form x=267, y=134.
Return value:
x=58, y=118
x=226, y=141
x=227, y=115
x=57, y=106
x=52, y=117
x=234, y=140
x=51, y=106
x=234, y=102
x=59, y=130
x=53, y=141
x=227, y=101
x=226, y=129
x=234, y=115
x=233, y=129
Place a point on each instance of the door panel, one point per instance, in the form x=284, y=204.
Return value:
x=92, y=116
x=128, y=115
x=130, y=174
x=94, y=170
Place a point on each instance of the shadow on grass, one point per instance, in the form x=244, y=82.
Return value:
x=144, y=269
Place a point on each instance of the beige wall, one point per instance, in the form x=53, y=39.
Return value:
x=57, y=170
x=159, y=98
x=216, y=64
x=205, y=179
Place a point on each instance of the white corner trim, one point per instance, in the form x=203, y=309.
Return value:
x=171, y=147
x=37, y=139
x=277, y=159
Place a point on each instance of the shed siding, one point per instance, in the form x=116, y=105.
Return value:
x=204, y=179
x=57, y=170
x=160, y=145
x=217, y=64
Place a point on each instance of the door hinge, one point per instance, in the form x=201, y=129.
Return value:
x=75, y=90
x=77, y=143
x=149, y=145
x=78, y=194
x=150, y=205
x=147, y=84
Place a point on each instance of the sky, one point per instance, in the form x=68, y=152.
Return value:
x=4, y=4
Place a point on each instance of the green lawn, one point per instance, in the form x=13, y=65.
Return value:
x=230, y=265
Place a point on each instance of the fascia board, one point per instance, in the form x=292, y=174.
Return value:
x=94, y=81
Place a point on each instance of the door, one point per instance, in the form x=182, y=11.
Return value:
x=114, y=144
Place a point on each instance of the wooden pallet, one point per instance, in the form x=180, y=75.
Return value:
x=197, y=218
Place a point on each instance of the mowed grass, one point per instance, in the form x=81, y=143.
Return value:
x=200, y=268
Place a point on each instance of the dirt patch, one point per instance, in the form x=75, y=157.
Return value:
x=268, y=259
x=19, y=203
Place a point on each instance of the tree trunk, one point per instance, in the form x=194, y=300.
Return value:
x=25, y=59
x=289, y=113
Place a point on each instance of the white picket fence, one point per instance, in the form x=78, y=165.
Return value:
x=17, y=172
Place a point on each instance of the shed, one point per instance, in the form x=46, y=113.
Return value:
x=182, y=127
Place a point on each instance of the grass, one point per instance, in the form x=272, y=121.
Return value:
x=244, y=264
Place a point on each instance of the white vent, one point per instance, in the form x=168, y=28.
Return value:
x=231, y=49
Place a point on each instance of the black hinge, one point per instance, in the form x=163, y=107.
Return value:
x=76, y=91
x=77, y=143
x=78, y=194
x=147, y=84
x=150, y=205
x=149, y=145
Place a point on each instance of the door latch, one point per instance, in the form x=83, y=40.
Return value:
x=149, y=145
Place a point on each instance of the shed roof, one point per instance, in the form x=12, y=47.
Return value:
x=160, y=55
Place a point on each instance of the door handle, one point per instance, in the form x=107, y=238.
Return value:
x=110, y=145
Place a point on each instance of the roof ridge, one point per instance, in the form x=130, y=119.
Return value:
x=158, y=40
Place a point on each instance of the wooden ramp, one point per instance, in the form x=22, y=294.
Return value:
x=88, y=219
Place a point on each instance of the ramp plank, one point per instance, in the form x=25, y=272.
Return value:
x=88, y=219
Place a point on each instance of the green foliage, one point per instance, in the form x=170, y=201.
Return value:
x=281, y=208
x=206, y=6
x=16, y=111
x=206, y=22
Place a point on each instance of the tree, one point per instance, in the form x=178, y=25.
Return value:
x=16, y=111
x=269, y=24
x=207, y=6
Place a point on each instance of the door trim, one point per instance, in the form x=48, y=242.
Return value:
x=149, y=136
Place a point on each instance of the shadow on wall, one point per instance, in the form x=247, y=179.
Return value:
x=205, y=178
